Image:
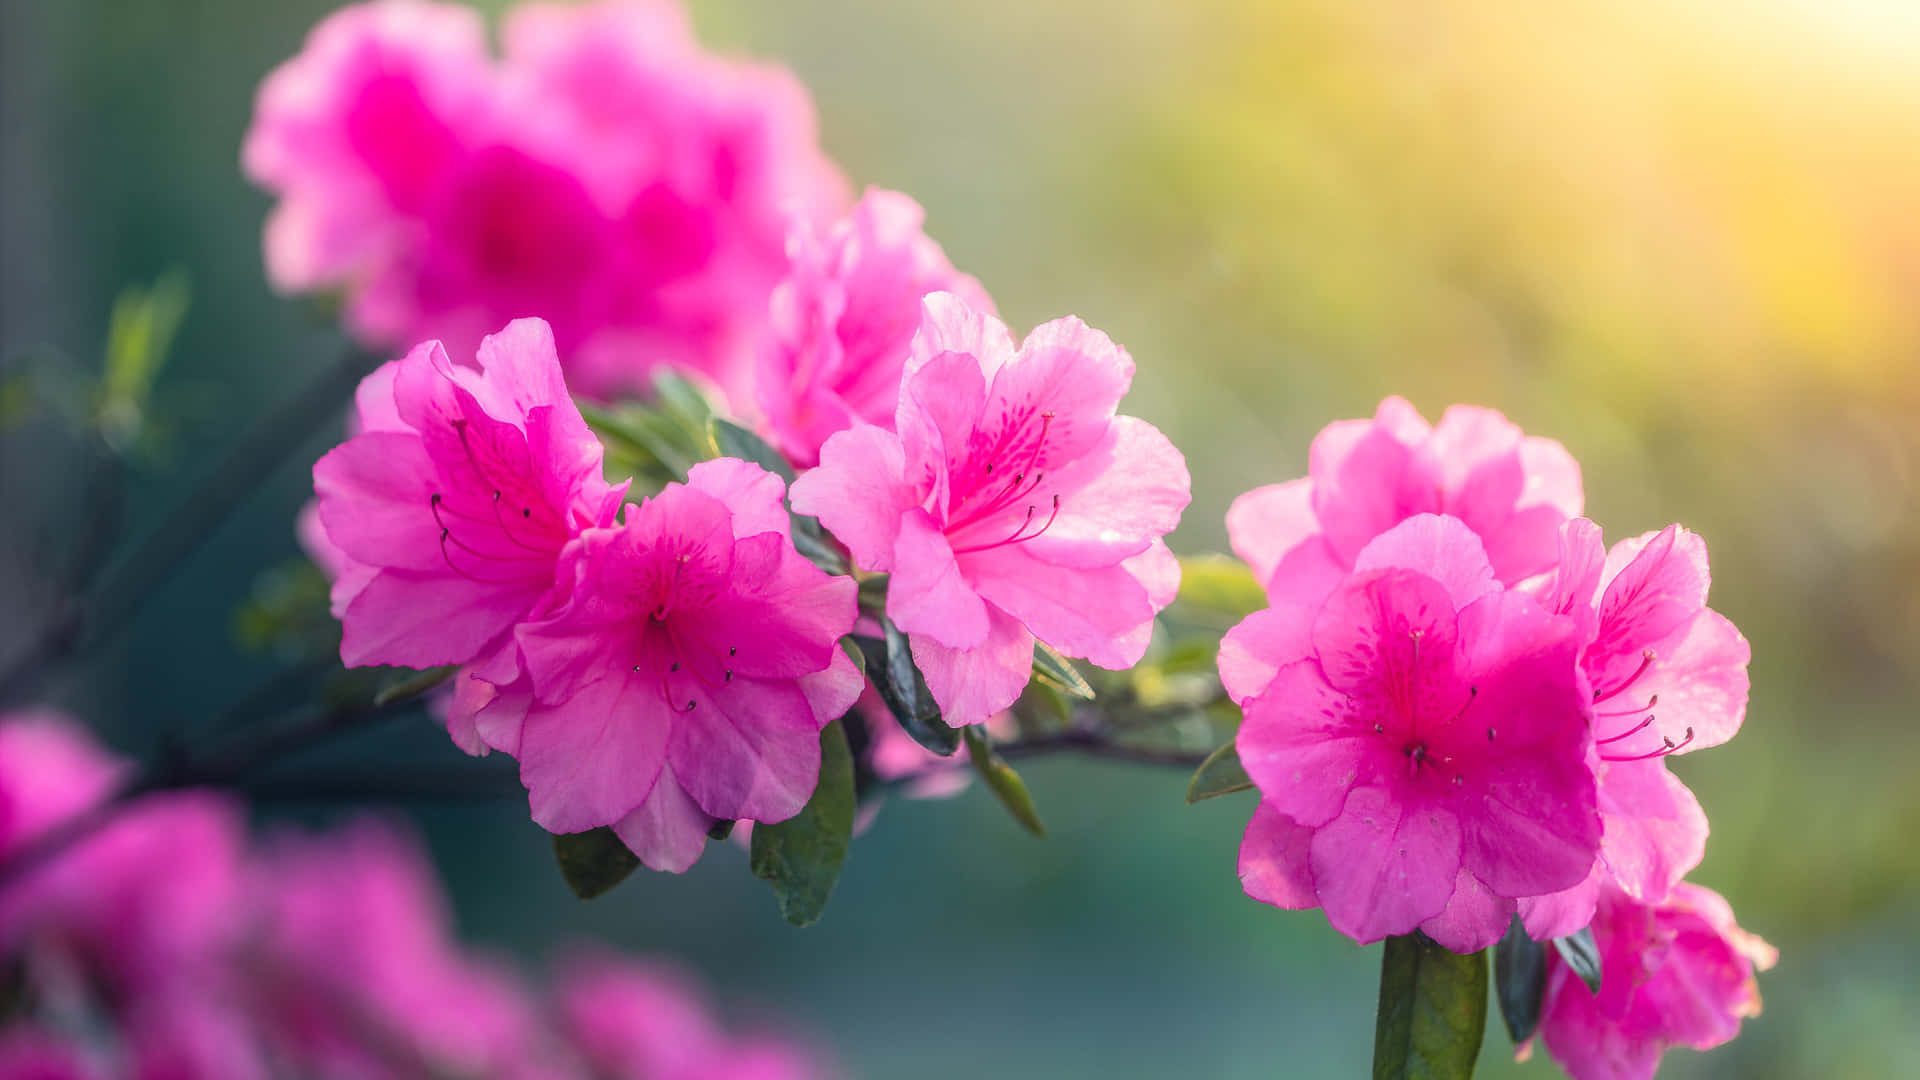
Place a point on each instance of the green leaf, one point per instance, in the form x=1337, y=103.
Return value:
x=1220, y=774
x=1582, y=955
x=1519, y=981
x=735, y=441
x=721, y=829
x=413, y=685
x=1220, y=583
x=1053, y=668
x=801, y=856
x=1433, y=1011
x=890, y=667
x=140, y=331
x=593, y=861
x=646, y=437
x=1000, y=778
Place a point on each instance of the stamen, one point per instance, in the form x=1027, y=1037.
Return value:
x=447, y=557
x=1668, y=747
x=1020, y=535
x=1651, y=702
x=1634, y=730
x=1647, y=657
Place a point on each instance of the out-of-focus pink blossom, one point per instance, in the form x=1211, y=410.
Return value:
x=842, y=321
x=1676, y=973
x=633, y=1022
x=458, y=492
x=1010, y=503
x=29, y=1053
x=357, y=971
x=607, y=175
x=683, y=671
x=1365, y=476
x=1420, y=746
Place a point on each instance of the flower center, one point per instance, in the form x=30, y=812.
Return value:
x=1011, y=475
x=498, y=533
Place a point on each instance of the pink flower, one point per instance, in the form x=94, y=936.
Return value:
x=1009, y=504
x=458, y=493
x=29, y=1053
x=842, y=321
x=1669, y=675
x=356, y=970
x=639, y=1022
x=683, y=672
x=1420, y=747
x=1675, y=973
x=1365, y=476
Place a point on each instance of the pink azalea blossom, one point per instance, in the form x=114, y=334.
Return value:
x=356, y=970
x=1010, y=503
x=607, y=175
x=451, y=505
x=1676, y=973
x=842, y=321
x=30, y=1053
x=1669, y=676
x=640, y=1022
x=1365, y=476
x=683, y=672
x=1419, y=743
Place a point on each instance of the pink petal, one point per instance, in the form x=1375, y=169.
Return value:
x=1467, y=439
x=1655, y=832
x=1071, y=370
x=592, y=759
x=1275, y=866
x=1701, y=681
x=859, y=493
x=668, y=831
x=1085, y=613
x=1440, y=547
x=1264, y=642
x=928, y=595
x=1525, y=543
x=1566, y=912
x=1304, y=747
x=1653, y=587
x=1375, y=487
x=1267, y=522
x=1307, y=575
x=749, y=749
x=423, y=621
x=1474, y=918
x=1129, y=489
x=373, y=405
x=783, y=620
x=973, y=685
x=1388, y=637
x=375, y=493
x=832, y=692
x=1553, y=477
x=1383, y=867
x=755, y=497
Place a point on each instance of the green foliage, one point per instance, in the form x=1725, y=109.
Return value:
x=139, y=333
x=889, y=664
x=287, y=614
x=1220, y=774
x=1000, y=779
x=1219, y=585
x=801, y=857
x=734, y=441
x=414, y=684
x=1519, y=981
x=1582, y=955
x=1433, y=1011
x=1057, y=671
x=594, y=861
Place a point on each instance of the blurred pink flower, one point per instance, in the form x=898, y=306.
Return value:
x=1669, y=675
x=29, y=1053
x=842, y=321
x=628, y=1021
x=1365, y=476
x=608, y=175
x=1011, y=504
x=459, y=491
x=1420, y=747
x=683, y=672
x=357, y=973
x=1676, y=973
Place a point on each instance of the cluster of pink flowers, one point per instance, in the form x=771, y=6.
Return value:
x=605, y=173
x=1458, y=709
x=163, y=946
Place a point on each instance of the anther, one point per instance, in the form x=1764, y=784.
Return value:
x=727, y=675
x=1489, y=734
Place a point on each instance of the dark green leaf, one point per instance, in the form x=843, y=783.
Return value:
x=1582, y=955
x=681, y=400
x=1220, y=774
x=890, y=667
x=1433, y=1011
x=1519, y=981
x=735, y=441
x=1005, y=784
x=801, y=856
x=873, y=594
x=721, y=829
x=645, y=437
x=413, y=685
x=593, y=861
x=811, y=539
x=1054, y=668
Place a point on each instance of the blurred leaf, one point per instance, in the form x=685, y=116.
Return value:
x=287, y=613
x=1519, y=981
x=645, y=437
x=1192, y=656
x=889, y=665
x=1057, y=704
x=1005, y=784
x=593, y=861
x=721, y=829
x=1220, y=774
x=1220, y=583
x=682, y=402
x=1582, y=955
x=735, y=441
x=414, y=685
x=1052, y=668
x=801, y=856
x=1433, y=1011
x=873, y=594
x=140, y=331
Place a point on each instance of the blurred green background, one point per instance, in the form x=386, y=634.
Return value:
x=1684, y=238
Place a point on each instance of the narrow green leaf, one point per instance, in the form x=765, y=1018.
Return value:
x=1433, y=1011
x=812, y=540
x=735, y=441
x=1582, y=955
x=890, y=667
x=1220, y=774
x=1005, y=784
x=1220, y=583
x=1053, y=668
x=413, y=685
x=801, y=857
x=1519, y=981
x=644, y=436
x=683, y=401
x=594, y=861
